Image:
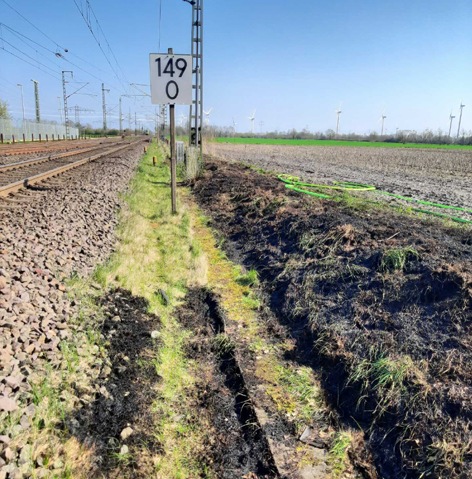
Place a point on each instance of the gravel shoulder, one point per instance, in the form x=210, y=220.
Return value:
x=46, y=237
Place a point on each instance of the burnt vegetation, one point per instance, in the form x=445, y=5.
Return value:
x=379, y=302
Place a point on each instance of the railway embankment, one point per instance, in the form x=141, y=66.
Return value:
x=47, y=237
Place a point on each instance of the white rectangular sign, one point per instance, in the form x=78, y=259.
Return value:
x=171, y=79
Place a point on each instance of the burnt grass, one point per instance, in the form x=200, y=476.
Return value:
x=124, y=392
x=238, y=446
x=393, y=343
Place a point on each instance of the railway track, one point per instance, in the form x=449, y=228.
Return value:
x=18, y=149
x=16, y=176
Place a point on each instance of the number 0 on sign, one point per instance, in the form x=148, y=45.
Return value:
x=171, y=79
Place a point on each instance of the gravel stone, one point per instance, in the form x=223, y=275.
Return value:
x=126, y=433
x=64, y=230
x=7, y=404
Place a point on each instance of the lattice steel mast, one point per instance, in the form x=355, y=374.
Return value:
x=104, y=107
x=66, y=109
x=196, y=109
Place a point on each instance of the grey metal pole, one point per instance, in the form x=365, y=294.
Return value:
x=121, y=117
x=173, y=160
x=36, y=100
x=173, y=157
x=60, y=108
x=196, y=108
x=104, y=108
x=22, y=104
x=201, y=73
x=66, y=110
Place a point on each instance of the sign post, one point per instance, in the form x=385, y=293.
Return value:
x=171, y=84
x=173, y=160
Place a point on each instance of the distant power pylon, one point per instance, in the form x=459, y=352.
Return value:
x=77, y=111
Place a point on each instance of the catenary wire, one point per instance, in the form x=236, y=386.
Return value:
x=87, y=22
x=34, y=26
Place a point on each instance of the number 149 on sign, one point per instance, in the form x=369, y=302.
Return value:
x=171, y=79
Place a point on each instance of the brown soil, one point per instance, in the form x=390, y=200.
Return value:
x=442, y=176
x=393, y=345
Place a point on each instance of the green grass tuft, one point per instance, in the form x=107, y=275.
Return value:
x=251, y=278
x=396, y=259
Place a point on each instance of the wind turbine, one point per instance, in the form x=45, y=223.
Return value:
x=234, y=125
x=207, y=116
x=338, y=112
x=451, y=117
x=252, y=118
x=383, y=119
x=460, y=119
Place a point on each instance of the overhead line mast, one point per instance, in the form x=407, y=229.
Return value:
x=104, y=107
x=196, y=108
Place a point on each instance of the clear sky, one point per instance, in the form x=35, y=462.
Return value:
x=294, y=61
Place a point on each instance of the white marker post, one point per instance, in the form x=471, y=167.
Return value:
x=171, y=84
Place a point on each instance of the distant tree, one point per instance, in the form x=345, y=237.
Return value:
x=330, y=134
x=4, y=110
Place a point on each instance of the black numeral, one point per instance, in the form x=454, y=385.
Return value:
x=169, y=69
x=181, y=64
x=169, y=86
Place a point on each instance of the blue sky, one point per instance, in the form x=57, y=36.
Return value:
x=294, y=62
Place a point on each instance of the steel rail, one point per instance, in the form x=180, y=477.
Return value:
x=24, y=183
x=44, y=159
x=25, y=149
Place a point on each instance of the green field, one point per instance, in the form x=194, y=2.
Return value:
x=363, y=144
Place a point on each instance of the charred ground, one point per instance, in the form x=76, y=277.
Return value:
x=378, y=301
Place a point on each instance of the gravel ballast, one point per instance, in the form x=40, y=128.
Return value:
x=65, y=229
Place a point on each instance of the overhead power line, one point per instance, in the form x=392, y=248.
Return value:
x=29, y=63
x=34, y=26
x=24, y=38
x=26, y=55
x=85, y=13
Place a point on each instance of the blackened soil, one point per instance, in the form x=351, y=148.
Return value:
x=324, y=266
x=125, y=393
x=239, y=448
